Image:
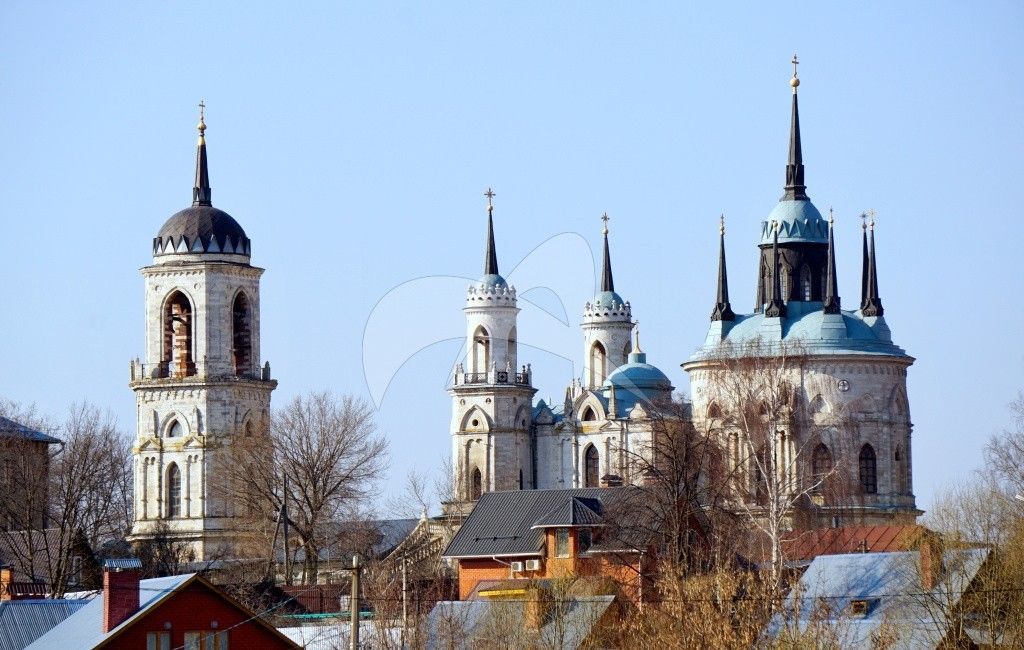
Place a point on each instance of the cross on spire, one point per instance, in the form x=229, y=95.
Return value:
x=795, y=62
x=202, y=117
x=605, y=218
x=490, y=204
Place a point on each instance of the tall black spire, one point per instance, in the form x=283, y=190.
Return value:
x=872, y=303
x=607, y=281
x=201, y=190
x=776, y=307
x=490, y=255
x=864, y=262
x=723, y=310
x=831, y=302
x=795, y=188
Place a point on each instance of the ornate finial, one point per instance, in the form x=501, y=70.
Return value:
x=636, y=337
x=490, y=204
x=863, y=220
x=870, y=215
x=605, y=218
x=202, y=118
x=795, y=81
x=831, y=217
x=721, y=224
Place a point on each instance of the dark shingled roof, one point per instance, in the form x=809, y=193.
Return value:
x=503, y=523
x=577, y=511
x=11, y=429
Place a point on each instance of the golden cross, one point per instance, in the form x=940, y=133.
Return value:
x=202, y=117
x=795, y=63
x=490, y=195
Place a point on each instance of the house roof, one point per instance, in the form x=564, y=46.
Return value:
x=809, y=544
x=11, y=429
x=461, y=622
x=506, y=523
x=24, y=621
x=890, y=586
x=84, y=628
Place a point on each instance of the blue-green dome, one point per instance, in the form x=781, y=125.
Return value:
x=608, y=299
x=799, y=221
x=492, y=281
x=637, y=381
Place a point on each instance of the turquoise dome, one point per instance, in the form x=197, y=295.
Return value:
x=607, y=299
x=492, y=281
x=799, y=221
x=637, y=381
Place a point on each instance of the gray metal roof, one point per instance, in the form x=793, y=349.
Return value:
x=502, y=523
x=24, y=621
x=122, y=563
x=12, y=429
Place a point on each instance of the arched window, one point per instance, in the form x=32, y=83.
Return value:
x=763, y=468
x=818, y=404
x=821, y=465
x=476, y=484
x=512, y=349
x=175, y=430
x=868, y=470
x=591, y=467
x=589, y=415
x=714, y=411
x=173, y=491
x=785, y=282
x=805, y=282
x=598, y=364
x=177, y=352
x=241, y=339
x=481, y=356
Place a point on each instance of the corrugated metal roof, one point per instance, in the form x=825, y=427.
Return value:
x=11, y=428
x=84, y=628
x=24, y=621
x=122, y=563
x=502, y=522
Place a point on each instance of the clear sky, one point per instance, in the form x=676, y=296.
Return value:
x=354, y=141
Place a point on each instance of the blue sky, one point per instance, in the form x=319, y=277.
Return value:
x=353, y=142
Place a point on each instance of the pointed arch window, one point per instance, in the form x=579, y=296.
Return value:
x=178, y=336
x=805, y=283
x=481, y=356
x=714, y=411
x=476, y=484
x=821, y=465
x=173, y=491
x=598, y=364
x=589, y=415
x=241, y=335
x=868, y=470
x=591, y=467
x=175, y=430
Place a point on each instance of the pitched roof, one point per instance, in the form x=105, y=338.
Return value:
x=890, y=586
x=24, y=621
x=504, y=523
x=809, y=544
x=577, y=511
x=11, y=429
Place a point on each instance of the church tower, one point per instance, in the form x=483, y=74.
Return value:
x=607, y=327
x=829, y=385
x=491, y=394
x=201, y=385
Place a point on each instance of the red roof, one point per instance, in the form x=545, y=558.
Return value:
x=809, y=544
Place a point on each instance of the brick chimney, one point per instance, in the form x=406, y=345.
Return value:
x=931, y=562
x=120, y=591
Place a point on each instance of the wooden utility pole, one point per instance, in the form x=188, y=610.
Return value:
x=353, y=604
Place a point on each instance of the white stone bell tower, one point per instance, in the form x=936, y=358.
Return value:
x=491, y=394
x=607, y=327
x=201, y=385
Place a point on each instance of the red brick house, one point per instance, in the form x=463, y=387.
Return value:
x=182, y=611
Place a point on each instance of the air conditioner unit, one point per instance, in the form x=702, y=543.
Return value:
x=533, y=565
x=517, y=567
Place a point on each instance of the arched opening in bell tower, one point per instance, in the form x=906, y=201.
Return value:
x=241, y=335
x=591, y=467
x=481, y=353
x=598, y=364
x=868, y=470
x=476, y=484
x=177, y=359
x=805, y=283
x=173, y=491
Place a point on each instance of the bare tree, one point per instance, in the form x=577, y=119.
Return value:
x=80, y=490
x=321, y=456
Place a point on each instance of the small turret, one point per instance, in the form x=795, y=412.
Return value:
x=723, y=310
x=831, y=302
x=872, y=301
x=776, y=307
